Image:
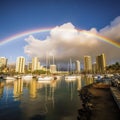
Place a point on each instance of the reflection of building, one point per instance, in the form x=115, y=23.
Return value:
x=33, y=88
x=35, y=64
x=87, y=64
x=79, y=83
x=1, y=89
x=3, y=61
x=20, y=64
x=77, y=66
x=53, y=68
x=101, y=63
x=18, y=87
x=89, y=80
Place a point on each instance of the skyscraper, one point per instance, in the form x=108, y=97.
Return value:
x=87, y=64
x=94, y=68
x=101, y=63
x=3, y=61
x=77, y=66
x=53, y=68
x=20, y=64
x=35, y=63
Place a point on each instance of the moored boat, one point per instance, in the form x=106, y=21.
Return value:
x=27, y=77
x=46, y=78
x=8, y=78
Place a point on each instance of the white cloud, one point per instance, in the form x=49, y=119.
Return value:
x=66, y=41
x=112, y=30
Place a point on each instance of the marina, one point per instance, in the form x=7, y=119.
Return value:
x=46, y=100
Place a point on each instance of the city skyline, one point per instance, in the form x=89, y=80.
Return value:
x=79, y=29
x=86, y=64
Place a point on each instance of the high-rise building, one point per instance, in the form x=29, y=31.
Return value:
x=87, y=64
x=101, y=63
x=35, y=63
x=77, y=66
x=29, y=66
x=3, y=61
x=94, y=68
x=20, y=64
x=53, y=68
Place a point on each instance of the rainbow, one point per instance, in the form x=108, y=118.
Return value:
x=22, y=34
x=19, y=35
x=103, y=38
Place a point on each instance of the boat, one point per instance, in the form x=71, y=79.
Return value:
x=70, y=77
x=8, y=78
x=46, y=78
x=27, y=77
x=18, y=76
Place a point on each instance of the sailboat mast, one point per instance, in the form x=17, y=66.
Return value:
x=53, y=59
x=70, y=65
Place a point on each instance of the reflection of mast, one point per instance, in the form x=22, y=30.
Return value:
x=53, y=85
x=46, y=92
x=71, y=85
x=18, y=87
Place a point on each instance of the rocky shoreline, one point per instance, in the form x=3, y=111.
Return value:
x=97, y=103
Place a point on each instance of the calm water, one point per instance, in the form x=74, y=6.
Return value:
x=33, y=100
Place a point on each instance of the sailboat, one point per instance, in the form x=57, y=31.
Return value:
x=45, y=78
x=70, y=77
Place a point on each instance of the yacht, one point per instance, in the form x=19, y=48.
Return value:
x=27, y=77
x=46, y=78
x=8, y=78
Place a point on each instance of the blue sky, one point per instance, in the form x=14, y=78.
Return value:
x=22, y=15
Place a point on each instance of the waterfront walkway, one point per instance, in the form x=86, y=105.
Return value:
x=105, y=108
x=116, y=95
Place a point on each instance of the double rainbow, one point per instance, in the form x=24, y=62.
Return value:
x=19, y=35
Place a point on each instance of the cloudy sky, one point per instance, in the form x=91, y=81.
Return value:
x=65, y=18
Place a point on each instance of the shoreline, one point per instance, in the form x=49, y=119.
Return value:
x=103, y=106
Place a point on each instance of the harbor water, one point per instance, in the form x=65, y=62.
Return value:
x=39, y=100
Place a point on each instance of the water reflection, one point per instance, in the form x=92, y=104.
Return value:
x=33, y=88
x=18, y=88
x=1, y=88
x=44, y=100
x=89, y=80
x=79, y=84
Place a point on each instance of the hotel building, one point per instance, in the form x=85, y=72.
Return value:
x=77, y=66
x=3, y=61
x=20, y=65
x=101, y=63
x=87, y=64
x=35, y=64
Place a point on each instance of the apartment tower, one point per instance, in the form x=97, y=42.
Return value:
x=20, y=65
x=101, y=63
x=77, y=66
x=87, y=64
x=3, y=61
x=35, y=63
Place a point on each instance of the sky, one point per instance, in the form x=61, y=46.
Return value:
x=95, y=16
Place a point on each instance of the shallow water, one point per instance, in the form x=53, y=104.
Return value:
x=33, y=100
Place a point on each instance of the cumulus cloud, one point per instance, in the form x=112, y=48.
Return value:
x=112, y=30
x=65, y=42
